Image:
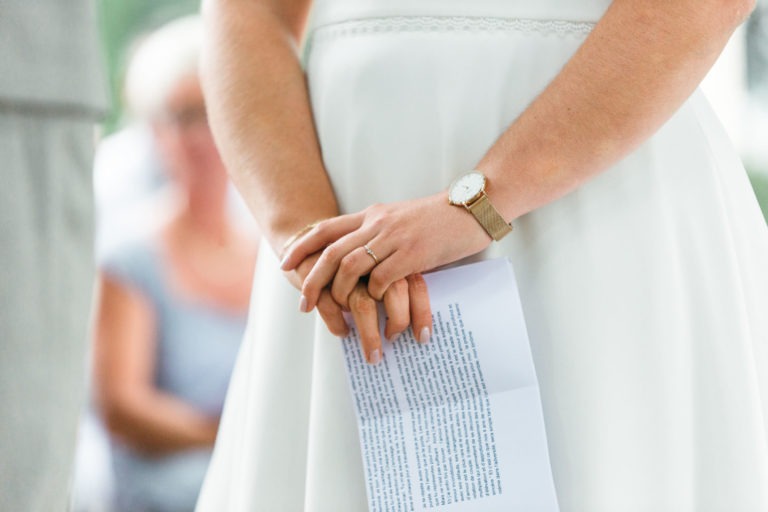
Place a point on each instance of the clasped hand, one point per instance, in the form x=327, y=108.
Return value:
x=353, y=261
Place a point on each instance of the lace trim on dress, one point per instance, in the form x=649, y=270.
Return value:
x=449, y=24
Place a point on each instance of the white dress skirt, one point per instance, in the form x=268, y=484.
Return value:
x=645, y=291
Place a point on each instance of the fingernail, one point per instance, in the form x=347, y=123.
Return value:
x=282, y=263
x=394, y=337
x=303, y=306
x=376, y=356
x=424, y=335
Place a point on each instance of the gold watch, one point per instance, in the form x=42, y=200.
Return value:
x=468, y=191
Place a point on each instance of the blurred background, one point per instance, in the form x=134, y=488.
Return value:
x=123, y=22
x=175, y=252
x=131, y=181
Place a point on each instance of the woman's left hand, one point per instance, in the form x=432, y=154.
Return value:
x=406, y=238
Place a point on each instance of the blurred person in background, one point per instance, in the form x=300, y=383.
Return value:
x=51, y=97
x=130, y=187
x=172, y=304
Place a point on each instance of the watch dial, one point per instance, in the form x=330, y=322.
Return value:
x=467, y=187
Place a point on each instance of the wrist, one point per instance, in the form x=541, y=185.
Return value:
x=295, y=236
x=281, y=235
x=469, y=191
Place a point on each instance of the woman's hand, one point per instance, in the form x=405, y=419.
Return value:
x=406, y=303
x=406, y=238
x=330, y=311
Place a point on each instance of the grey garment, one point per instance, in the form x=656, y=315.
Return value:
x=50, y=54
x=50, y=97
x=196, y=344
x=46, y=278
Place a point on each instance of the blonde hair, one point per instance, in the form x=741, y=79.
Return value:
x=160, y=61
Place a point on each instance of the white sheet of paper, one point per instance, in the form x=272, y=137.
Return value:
x=456, y=424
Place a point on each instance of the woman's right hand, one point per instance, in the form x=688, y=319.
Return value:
x=406, y=302
x=329, y=310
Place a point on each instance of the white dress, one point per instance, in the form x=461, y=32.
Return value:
x=645, y=291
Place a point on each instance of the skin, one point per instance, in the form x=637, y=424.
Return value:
x=640, y=63
x=208, y=259
x=260, y=116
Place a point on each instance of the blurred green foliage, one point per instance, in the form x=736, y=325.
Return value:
x=122, y=22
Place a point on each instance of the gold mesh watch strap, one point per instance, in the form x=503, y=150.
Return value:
x=489, y=218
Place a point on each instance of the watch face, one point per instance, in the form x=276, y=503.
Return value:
x=466, y=188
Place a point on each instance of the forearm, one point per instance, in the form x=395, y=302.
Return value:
x=636, y=68
x=260, y=115
x=154, y=422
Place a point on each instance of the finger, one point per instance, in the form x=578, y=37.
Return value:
x=327, y=265
x=331, y=314
x=324, y=233
x=296, y=276
x=352, y=267
x=387, y=272
x=421, y=312
x=396, y=304
x=365, y=312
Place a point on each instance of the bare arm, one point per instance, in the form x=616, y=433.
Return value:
x=636, y=68
x=134, y=410
x=640, y=63
x=260, y=115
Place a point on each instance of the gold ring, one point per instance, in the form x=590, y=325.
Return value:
x=371, y=254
